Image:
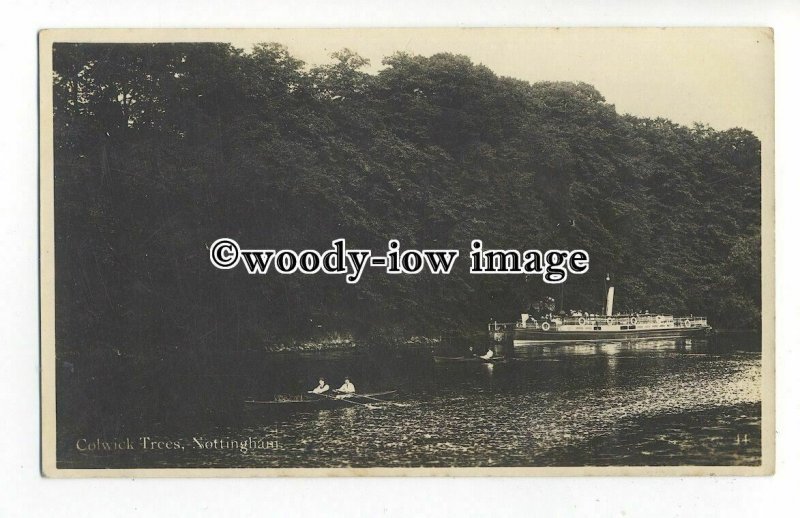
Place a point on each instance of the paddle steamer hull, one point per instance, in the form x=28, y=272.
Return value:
x=538, y=335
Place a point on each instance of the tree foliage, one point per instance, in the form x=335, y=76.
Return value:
x=160, y=149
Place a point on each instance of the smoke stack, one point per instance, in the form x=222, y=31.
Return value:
x=610, y=301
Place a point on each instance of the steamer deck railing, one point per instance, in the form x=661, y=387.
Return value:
x=607, y=323
x=595, y=328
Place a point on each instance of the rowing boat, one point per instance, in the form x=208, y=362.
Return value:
x=468, y=359
x=319, y=402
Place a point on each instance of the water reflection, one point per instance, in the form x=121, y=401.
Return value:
x=618, y=403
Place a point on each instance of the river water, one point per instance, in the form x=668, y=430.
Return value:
x=657, y=403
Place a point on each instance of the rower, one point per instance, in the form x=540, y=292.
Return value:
x=321, y=388
x=347, y=387
x=488, y=356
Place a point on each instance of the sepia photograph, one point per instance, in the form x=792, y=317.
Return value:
x=383, y=252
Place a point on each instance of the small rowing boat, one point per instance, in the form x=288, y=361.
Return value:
x=322, y=401
x=468, y=359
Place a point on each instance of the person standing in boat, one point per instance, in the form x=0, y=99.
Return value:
x=347, y=387
x=321, y=388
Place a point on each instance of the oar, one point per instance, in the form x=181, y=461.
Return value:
x=371, y=407
x=379, y=400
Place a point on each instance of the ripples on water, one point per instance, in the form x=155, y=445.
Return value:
x=641, y=403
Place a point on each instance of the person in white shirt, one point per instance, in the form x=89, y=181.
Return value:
x=347, y=387
x=488, y=356
x=321, y=388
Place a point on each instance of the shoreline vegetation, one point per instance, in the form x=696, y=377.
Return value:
x=334, y=343
x=340, y=342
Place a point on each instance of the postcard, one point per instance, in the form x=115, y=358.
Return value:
x=407, y=252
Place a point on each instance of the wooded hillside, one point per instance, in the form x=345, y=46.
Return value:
x=162, y=149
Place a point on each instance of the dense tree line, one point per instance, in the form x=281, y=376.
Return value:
x=161, y=149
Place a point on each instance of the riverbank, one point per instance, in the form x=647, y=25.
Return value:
x=348, y=342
